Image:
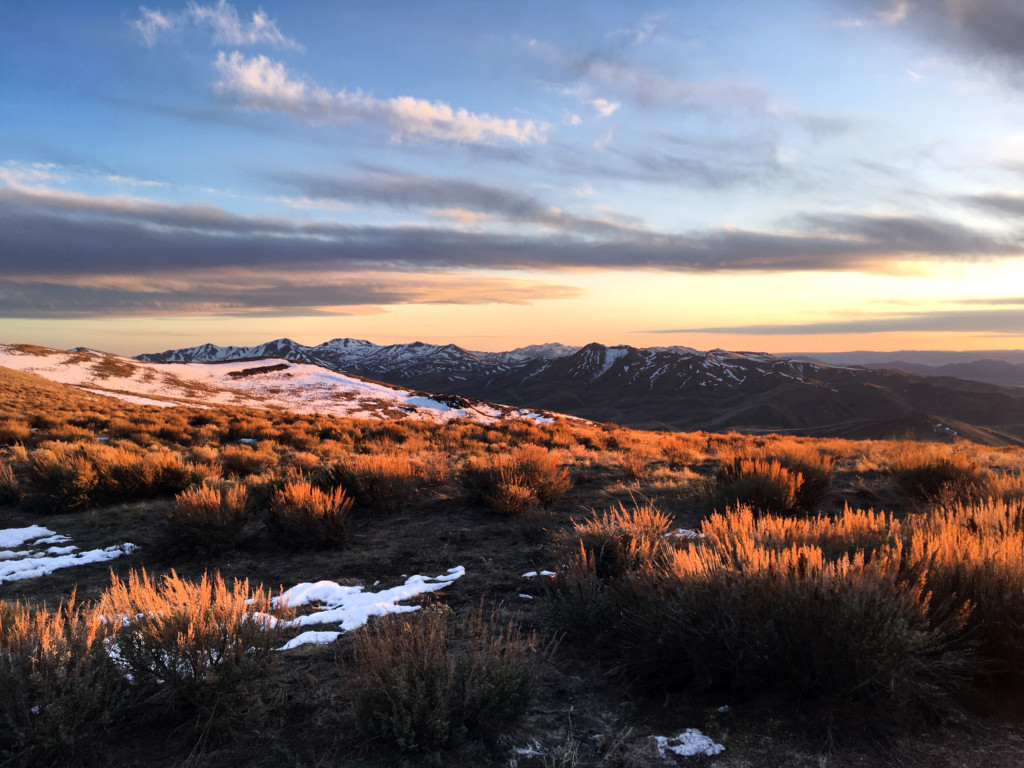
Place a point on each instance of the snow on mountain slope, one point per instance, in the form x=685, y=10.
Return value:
x=267, y=383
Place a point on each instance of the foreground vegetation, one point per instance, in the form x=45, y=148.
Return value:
x=843, y=598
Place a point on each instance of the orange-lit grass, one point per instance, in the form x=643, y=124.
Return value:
x=303, y=516
x=183, y=640
x=61, y=691
x=207, y=518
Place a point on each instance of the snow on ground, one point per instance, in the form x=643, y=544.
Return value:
x=687, y=744
x=350, y=607
x=34, y=561
x=265, y=383
x=134, y=398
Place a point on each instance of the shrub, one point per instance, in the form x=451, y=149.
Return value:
x=765, y=485
x=87, y=475
x=423, y=688
x=849, y=634
x=621, y=540
x=807, y=609
x=301, y=515
x=634, y=462
x=207, y=519
x=10, y=490
x=972, y=553
x=930, y=477
x=61, y=691
x=244, y=460
x=814, y=467
x=184, y=642
x=384, y=481
x=510, y=483
x=12, y=431
x=69, y=481
x=679, y=453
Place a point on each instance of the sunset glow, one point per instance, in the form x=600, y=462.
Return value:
x=793, y=177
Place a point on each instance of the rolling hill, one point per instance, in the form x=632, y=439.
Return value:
x=675, y=387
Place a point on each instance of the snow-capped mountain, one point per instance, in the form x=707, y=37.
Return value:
x=270, y=382
x=678, y=387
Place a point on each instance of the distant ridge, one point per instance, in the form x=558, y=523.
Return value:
x=675, y=387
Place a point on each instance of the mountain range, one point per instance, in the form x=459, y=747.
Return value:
x=673, y=387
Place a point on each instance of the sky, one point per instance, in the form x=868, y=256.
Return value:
x=795, y=176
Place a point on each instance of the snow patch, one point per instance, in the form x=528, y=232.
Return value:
x=34, y=562
x=310, y=637
x=350, y=607
x=687, y=744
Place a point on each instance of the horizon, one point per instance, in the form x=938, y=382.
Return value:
x=840, y=176
x=782, y=354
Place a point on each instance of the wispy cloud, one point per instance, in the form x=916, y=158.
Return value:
x=890, y=14
x=116, y=179
x=1006, y=204
x=645, y=29
x=151, y=24
x=462, y=200
x=994, y=321
x=260, y=83
x=221, y=19
x=240, y=292
x=229, y=29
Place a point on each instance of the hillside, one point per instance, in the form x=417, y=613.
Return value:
x=489, y=593
x=679, y=388
x=270, y=382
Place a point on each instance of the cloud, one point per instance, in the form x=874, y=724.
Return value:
x=681, y=161
x=996, y=321
x=891, y=13
x=263, y=84
x=222, y=19
x=1003, y=203
x=45, y=233
x=646, y=87
x=646, y=28
x=15, y=174
x=116, y=179
x=230, y=292
x=986, y=30
x=604, y=107
x=151, y=24
x=229, y=29
x=458, y=199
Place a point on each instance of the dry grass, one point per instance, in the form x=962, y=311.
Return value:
x=243, y=460
x=763, y=484
x=510, y=483
x=931, y=476
x=422, y=685
x=815, y=610
x=386, y=481
x=207, y=519
x=182, y=641
x=61, y=691
x=301, y=515
x=13, y=431
x=10, y=489
x=86, y=475
x=621, y=539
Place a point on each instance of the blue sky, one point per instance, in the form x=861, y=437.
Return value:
x=789, y=176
